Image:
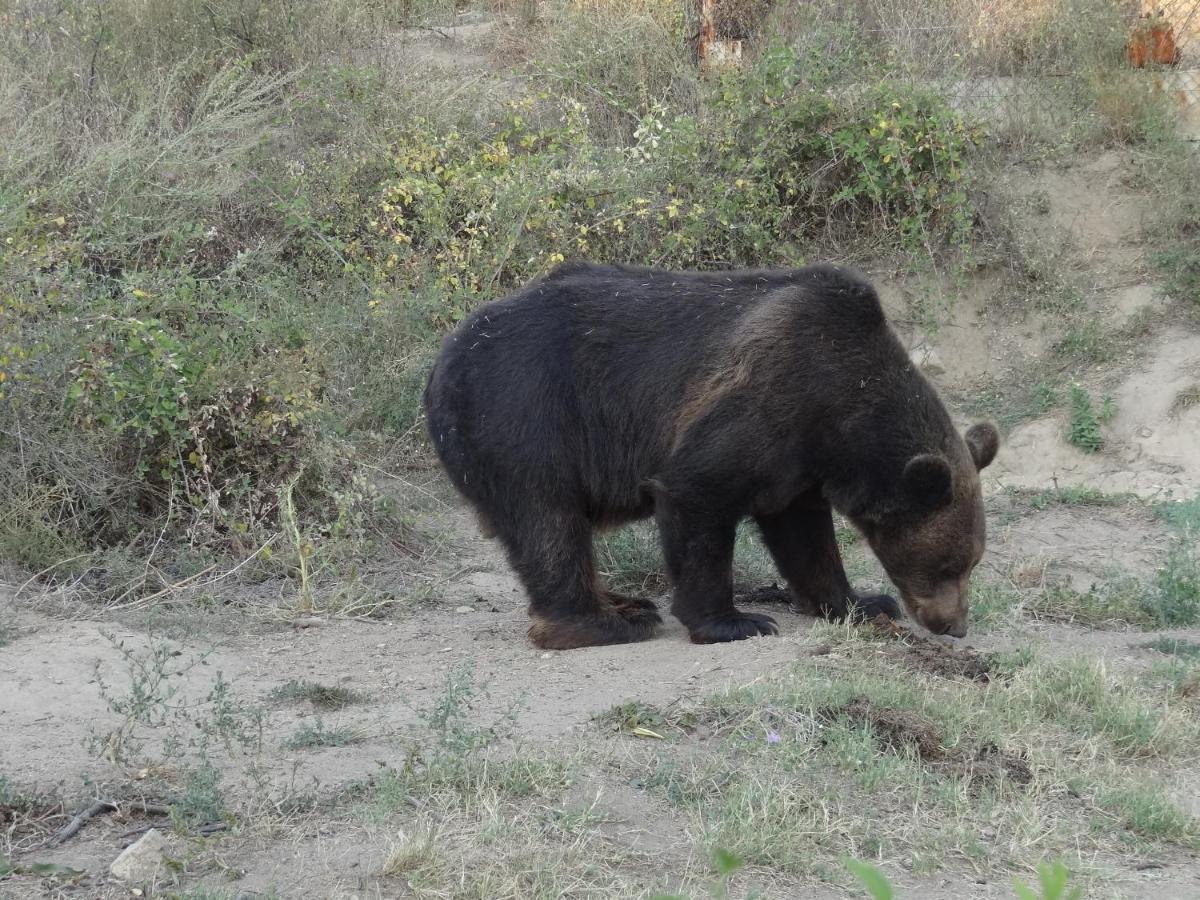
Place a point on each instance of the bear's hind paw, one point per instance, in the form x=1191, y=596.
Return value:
x=612, y=627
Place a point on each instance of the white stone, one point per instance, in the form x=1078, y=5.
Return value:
x=143, y=860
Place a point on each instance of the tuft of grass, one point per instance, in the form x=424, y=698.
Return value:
x=1087, y=344
x=415, y=854
x=1128, y=111
x=1083, y=427
x=1175, y=600
x=779, y=824
x=1181, y=676
x=202, y=802
x=1078, y=495
x=311, y=736
x=1182, y=516
x=630, y=559
x=992, y=604
x=1171, y=599
x=322, y=696
x=451, y=762
x=1172, y=173
x=1083, y=696
x=1116, y=602
x=1147, y=811
x=1010, y=404
x=1185, y=399
x=631, y=716
x=1175, y=647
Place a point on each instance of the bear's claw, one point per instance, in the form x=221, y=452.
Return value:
x=867, y=608
x=733, y=627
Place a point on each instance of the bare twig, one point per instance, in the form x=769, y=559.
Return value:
x=433, y=30
x=50, y=568
x=72, y=828
x=142, y=601
x=423, y=491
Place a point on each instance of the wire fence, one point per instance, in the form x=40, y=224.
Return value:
x=1026, y=65
x=1029, y=64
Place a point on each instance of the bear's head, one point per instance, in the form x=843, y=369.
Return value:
x=931, y=547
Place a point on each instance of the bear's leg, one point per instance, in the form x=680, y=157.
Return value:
x=551, y=551
x=699, y=556
x=802, y=543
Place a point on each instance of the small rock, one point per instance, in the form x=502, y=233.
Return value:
x=464, y=609
x=143, y=860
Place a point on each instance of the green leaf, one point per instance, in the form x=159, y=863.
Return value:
x=52, y=870
x=876, y=883
x=726, y=862
x=1054, y=878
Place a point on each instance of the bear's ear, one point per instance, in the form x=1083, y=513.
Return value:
x=928, y=480
x=983, y=440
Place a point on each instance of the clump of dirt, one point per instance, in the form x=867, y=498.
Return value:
x=898, y=729
x=928, y=655
x=990, y=763
x=943, y=661
x=902, y=730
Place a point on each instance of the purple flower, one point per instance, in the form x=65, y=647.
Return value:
x=772, y=737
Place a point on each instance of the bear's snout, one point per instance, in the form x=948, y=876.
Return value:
x=954, y=626
x=942, y=610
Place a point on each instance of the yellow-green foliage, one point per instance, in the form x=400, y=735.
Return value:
x=767, y=168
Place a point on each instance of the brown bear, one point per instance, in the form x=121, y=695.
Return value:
x=603, y=394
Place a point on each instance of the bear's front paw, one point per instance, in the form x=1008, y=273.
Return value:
x=867, y=608
x=733, y=627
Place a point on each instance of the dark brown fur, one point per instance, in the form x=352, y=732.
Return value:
x=604, y=394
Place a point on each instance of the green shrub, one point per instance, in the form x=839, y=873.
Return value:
x=1083, y=428
x=471, y=218
x=1175, y=601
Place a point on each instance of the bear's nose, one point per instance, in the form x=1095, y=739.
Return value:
x=956, y=629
